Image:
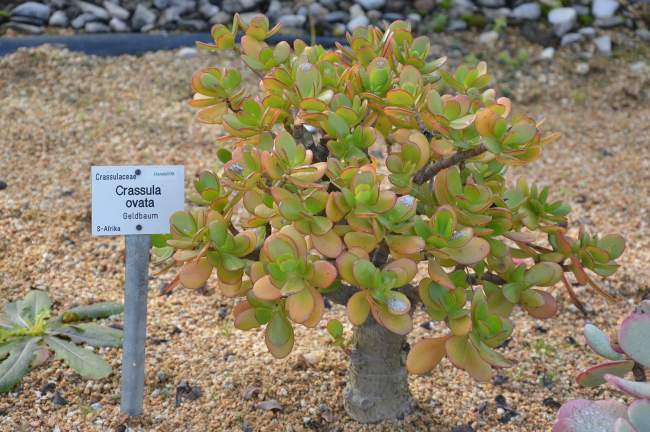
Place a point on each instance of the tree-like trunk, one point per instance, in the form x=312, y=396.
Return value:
x=377, y=387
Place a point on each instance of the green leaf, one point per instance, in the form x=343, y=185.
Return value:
x=184, y=223
x=224, y=155
x=93, y=311
x=92, y=334
x=87, y=364
x=34, y=303
x=335, y=328
x=160, y=240
x=279, y=330
x=338, y=125
x=16, y=366
x=13, y=314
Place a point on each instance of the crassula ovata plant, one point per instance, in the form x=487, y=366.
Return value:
x=301, y=206
x=627, y=352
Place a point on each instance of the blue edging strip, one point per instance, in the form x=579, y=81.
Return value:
x=114, y=44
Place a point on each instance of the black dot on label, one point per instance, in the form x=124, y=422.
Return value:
x=138, y=227
x=138, y=172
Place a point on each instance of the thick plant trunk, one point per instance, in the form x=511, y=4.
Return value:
x=377, y=387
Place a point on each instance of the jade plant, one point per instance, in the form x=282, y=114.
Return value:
x=30, y=333
x=627, y=352
x=302, y=205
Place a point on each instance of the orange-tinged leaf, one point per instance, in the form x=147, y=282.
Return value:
x=265, y=290
x=317, y=311
x=399, y=324
x=474, y=251
x=213, y=114
x=246, y=320
x=330, y=244
x=464, y=355
x=324, y=274
x=405, y=269
x=300, y=306
x=438, y=275
x=405, y=245
x=425, y=355
x=365, y=241
x=547, y=310
x=194, y=275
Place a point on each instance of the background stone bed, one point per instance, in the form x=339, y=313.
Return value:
x=61, y=112
x=546, y=22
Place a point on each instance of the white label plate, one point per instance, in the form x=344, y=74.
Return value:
x=135, y=199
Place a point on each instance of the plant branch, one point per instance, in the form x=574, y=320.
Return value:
x=433, y=168
x=380, y=256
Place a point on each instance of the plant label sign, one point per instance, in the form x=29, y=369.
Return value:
x=135, y=199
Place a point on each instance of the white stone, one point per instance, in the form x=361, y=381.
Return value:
x=360, y=21
x=582, y=68
x=32, y=9
x=488, y=38
x=58, y=19
x=547, y=54
x=117, y=25
x=571, y=38
x=588, y=31
x=604, y=8
x=116, y=11
x=98, y=12
x=372, y=4
x=527, y=11
x=604, y=45
x=356, y=11
x=187, y=52
x=562, y=19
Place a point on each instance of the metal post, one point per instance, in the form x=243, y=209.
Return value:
x=135, y=323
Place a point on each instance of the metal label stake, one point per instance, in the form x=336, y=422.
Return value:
x=135, y=201
x=135, y=323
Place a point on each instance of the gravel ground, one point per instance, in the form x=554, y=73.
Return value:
x=62, y=112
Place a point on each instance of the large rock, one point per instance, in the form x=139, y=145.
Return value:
x=25, y=28
x=372, y=4
x=119, y=26
x=562, y=19
x=96, y=27
x=170, y=16
x=142, y=17
x=208, y=10
x=81, y=20
x=116, y=11
x=604, y=8
x=527, y=11
x=33, y=10
x=96, y=11
x=58, y=19
x=233, y=6
x=358, y=21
